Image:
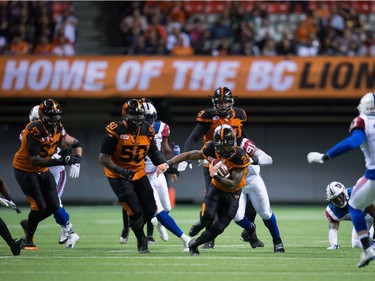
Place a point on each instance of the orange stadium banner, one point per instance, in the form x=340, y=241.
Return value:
x=185, y=77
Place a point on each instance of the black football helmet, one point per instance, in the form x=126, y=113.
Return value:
x=224, y=140
x=133, y=112
x=222, y=101
x=50, y=112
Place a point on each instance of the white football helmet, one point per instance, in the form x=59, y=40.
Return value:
x=337, y=194
x=151, y=113
x=34, y=113
x=367, y=104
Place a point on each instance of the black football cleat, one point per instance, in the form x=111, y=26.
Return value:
x=17, y=246
x=193, y=249
x=278, y=246
x=252, y=238
x=209, y=245
x=143, y=246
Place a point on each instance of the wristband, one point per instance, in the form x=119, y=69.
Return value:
x=169, y=163
x=325, y=157
x=117, y=169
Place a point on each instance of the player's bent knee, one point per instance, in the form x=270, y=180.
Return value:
x=238, y=217
x=265, y=215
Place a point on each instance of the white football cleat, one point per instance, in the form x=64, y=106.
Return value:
x=64, y=233
x=163, y=233
x=366, y=256
x=72, y=241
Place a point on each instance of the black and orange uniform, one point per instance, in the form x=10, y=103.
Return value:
x=207, y=121
x=220, y=204
x=128, y=151
x=37, y=183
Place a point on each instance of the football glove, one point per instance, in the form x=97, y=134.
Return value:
x=183, y=165
x=74, y=170
x=9, y=204
x=315, y=157
x=173, y=171
x=126, y=174
x=333, y=247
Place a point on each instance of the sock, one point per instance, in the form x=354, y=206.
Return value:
x=35, y=217
x=359, y=222
x=185, y=238
x=4, y=232
x=246, y=224
x=125, y=219
x=150, y=228
x=61, y=216
x=358, y=219
x=168, y=222
x=271, y=224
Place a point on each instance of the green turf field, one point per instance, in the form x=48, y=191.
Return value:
x=100, y=257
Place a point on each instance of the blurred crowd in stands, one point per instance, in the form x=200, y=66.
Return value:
x=253, y=28
x=37, y=27
x=214, y=28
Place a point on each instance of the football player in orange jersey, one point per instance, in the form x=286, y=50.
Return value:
x=39, y=142
x=223, y=112
x=123, y=154
x=221, y=201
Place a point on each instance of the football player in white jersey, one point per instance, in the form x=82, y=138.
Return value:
x=67, y=234
x=362, y=134
x=256, y=191
x=338, y=210
x=159, y=184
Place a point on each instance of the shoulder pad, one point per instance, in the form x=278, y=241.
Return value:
x=114, y=128
x=206, y=115
x=240, y=113
x=36, y=130
x=357, y=123
x=240, y=158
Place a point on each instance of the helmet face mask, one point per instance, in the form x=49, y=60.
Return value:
x=337, y=194
x=133, y=113
x=224, y=141
x=50, y=112
x=367, y=104
x=222, y=101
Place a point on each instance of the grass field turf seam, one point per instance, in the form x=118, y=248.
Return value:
x=99, y=256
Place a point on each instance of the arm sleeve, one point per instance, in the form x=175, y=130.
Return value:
x=197, y=133
x=109, y=144
x=263, y=158
x=356, y=138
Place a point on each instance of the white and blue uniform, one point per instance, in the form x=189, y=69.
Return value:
x=335, y=214
x=256, y=190
x=159, y=183
x=160, y=187
x=362, y=130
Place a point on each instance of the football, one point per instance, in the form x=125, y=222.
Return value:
x=223, y=170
